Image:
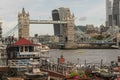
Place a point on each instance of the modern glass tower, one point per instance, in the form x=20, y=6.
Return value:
x=56, y=17
x=109, y=8
x=60, y=14
x=116, y=12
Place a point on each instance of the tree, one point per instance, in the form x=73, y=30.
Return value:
x=98, y=37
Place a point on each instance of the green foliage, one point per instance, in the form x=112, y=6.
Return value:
x=80, y=74
x=107, y=35
x=74, y=74
x=98, y=37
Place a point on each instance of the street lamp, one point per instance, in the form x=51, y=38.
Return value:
x=0, y=21
x=1, y=61
x=0, y=30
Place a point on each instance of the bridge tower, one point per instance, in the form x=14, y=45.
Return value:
x=68, y=31
x=23, y=24
x=64, y=31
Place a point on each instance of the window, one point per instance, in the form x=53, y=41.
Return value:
x=31, y=49
x=17, y=49
x=26, y=48
x=21, y=50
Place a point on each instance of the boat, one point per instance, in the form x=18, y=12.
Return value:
x=115, y=47
x=23, y=53
x=20, y=52
x=34, y=72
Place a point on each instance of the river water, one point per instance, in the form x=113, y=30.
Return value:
x=88, y=55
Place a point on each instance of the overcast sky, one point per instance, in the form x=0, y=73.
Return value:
x=85, y=11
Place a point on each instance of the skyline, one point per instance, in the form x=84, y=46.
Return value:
x=85, y=11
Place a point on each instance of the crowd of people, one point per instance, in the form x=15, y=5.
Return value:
x=9, y=40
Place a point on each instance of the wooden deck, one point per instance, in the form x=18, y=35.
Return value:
x=14, y=78
x=4, y=68
x=54, y=75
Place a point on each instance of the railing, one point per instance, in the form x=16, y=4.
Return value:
x=58, y=69
x=3, y=57
x=17, y=63
x=48, y=66
x=11, y=31
x=38, y=54
x=109, y=40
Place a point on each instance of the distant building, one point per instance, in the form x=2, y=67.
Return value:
x=3, y=55
x=54, y=39
x=116, y=12
x=56, y=17
x=91, y=30
x=60, y=14
x=48, y=40
x=103, y=29
x=109, y=8
x=82, y=28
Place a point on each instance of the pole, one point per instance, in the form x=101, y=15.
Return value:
x=101, y=63
x=77, y=60
x=117, y=36
x=85, y=62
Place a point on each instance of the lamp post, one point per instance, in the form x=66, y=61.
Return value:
x=117, y=35
x=0, y=30
x=1, y=49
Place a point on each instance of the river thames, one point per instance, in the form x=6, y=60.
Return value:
x=88, y=55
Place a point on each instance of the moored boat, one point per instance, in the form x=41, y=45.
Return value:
x=34, y=72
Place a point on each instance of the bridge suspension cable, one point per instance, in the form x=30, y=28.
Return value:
x=10, y=32
x=80, y=34
x=88, y=39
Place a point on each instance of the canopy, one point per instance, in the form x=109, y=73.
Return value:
x=24, y=42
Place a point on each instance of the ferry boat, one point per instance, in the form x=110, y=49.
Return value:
x=20, y=53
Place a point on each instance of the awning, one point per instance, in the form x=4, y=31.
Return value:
x=24, y=42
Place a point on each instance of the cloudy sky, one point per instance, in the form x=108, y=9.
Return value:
x=85, y=11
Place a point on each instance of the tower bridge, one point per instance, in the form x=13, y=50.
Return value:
x=68, y=34
x=67, y=24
